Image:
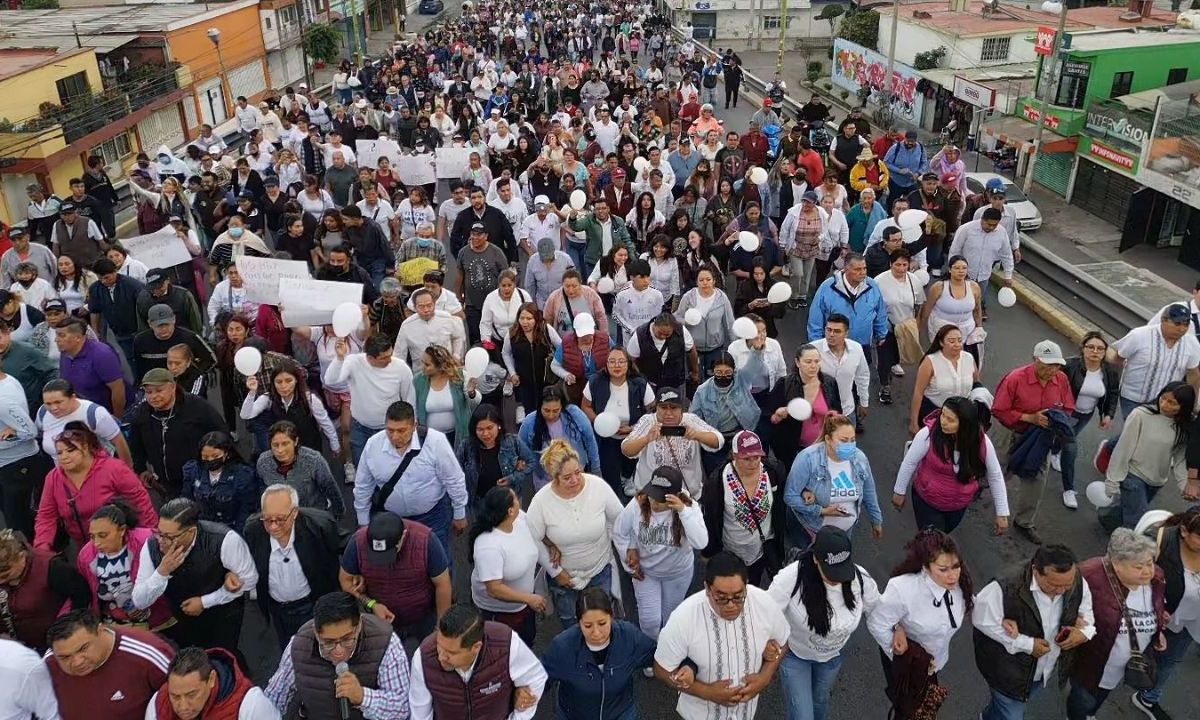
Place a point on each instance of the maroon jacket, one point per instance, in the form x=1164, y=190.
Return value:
x=488, y=695
x=1093, y=655
x=404, y=584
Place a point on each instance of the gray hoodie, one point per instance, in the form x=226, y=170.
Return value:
x=715, y=330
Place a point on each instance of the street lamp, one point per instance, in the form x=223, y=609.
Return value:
x=214, y=35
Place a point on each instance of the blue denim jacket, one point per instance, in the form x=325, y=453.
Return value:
x=810, y=471
x=707, y=401
x=512, y=449
x=576, y=429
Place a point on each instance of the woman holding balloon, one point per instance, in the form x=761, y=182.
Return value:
x=614, y=399
x=708, y=315
x=762, y=295
x=801, y=401
x=445, y=398
x=760, y=360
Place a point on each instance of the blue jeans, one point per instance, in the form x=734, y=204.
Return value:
x=1177, y=646
x=438, y=521
x=1127, y=406
x=1136, y=497
x=564, y=598
x=1002, y=707
x=806, y=685
x=577, y=252
x=359, y=435
x=377, y=269
x=1070, y=451
x=1081, y=703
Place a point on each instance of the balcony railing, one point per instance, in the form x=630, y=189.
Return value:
x=131, y=92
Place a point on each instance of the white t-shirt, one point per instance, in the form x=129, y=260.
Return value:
x=1141, y=611
x=1187, y=614
x=1150, y=365
x=722, y=649
x=509, y=557
x=844, y=494
x=89, y=413
x=327, y=353
x=618, y=399
x=1091, y=392
x=439, y=409
x=803, y=641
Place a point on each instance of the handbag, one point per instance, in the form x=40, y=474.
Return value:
x=383, y=492
x=1141, y=672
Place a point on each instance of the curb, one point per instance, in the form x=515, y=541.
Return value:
x=1058, y=316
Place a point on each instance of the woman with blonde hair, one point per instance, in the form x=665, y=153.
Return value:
x=444, y=402
x=573, y=516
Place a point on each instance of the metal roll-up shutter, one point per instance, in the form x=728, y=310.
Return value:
x=1103, y=192
x=1053, y=171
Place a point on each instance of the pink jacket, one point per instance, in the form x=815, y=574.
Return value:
x=937, y=480
x=160, y=611
x=108, y=478
x=589, y=303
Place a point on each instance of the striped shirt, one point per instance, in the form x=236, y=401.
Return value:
x=119, y=689
x=389, y=701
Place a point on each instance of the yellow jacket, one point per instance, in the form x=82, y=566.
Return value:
x=858, y=176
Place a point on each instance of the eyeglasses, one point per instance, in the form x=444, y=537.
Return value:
x=170, y=537
x=1095, y=348
x=723, y=600
x=347, y=643
x=279, y=520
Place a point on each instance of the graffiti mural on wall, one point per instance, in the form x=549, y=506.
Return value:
x=855, y=67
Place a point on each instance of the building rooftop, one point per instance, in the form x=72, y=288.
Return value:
x=1090, y=42
x=15, y=61
x=1012, y=19
x=110, y=19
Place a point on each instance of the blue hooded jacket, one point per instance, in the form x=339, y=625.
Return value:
x=584, y=691
x=867, y=310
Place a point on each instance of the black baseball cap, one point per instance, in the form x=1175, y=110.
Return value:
x=665, y=480
x=383, y=538
x=672, y=396
x=832, y=551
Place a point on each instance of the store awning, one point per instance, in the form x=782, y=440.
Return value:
x=1012, y=71
x=1061, y=146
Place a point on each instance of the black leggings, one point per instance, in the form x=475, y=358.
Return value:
x=929, y=516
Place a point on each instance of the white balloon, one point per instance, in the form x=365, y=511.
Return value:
x=1150, y=519
x=578, y=199
x=921, y=277
x=779, y=292
x=745, y=328
x=605, y=285
x=1006, y=297
x=800, y=409
x=1097, y=496
x=247, y=360
x=607, y=424
x=475, y=362
x=747, y=241
x=758, y=176
x=911, y=234
x=346, y=319
x=912, y=218
x=640, y=164
x=693, y=316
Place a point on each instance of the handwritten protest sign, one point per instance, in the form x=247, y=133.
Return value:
x=161, y=249
x=369, y=151
x=452, y=161
x=416, y=169
x=312, y=302
x=260, y=276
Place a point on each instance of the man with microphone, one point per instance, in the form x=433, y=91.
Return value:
x=342, y=664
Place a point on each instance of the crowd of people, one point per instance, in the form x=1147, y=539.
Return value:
x=598, y=399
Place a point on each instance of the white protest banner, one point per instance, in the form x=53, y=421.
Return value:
x=369, y=151
x=312, y=302
x=452, y=161
x=416, y=169
x=161, y=249
x=261, y=276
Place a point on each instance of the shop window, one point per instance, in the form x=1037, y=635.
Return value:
x=1072, y=90
x=71, y=87
x=772, y=22
x=1176, y=75
x=994, y=49
x=1122, y=84
x=114, y=150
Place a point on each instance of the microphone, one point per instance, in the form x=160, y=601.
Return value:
x=343, y=703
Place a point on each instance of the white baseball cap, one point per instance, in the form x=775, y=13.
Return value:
x=584, y=325
x=1049, y=352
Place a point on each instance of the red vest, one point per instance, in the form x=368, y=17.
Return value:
x=937, y=480
x=33, y=604
x=403, y=585
x=221, y=705
x=573, y=359
x=488, y=695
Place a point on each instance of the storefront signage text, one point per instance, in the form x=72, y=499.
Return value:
x=1044, y=44
x=1112, y=155
x=1032, y=114
x=1074, y=68
x=1125, y=128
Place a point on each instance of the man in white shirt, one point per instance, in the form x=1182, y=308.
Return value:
x=1008, y=216
x=28, y=690
x=377, y=209
x=843, y=359
x=449, y=209
x=377, y=379
x=508, y=202
x=1154, y=356
x=606, y=130
x=429, y=326
x=335, y=145
x=1023, y=624
x=292, y=100
x=733, y=633
x=638, y=304
x=658, y=162
x=248, y=117
x=657, y=185
x=200, y=680
x=1193, y=307
x=448, y=681
x=543, y=223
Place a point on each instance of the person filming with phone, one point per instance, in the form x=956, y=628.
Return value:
x=671, y=436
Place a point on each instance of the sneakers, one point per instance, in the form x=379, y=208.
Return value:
x=898, y=370
x=794, y=304
x=803, y=302
x=350, y=473
x=1149, y=710
x=1029, y=533
x=1056, y=461
x=885, y=395
x=1070, y=499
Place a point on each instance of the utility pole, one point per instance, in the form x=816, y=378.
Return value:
x=214, y=36
x=1047, y=79
x=354, y=32
x=783, y=27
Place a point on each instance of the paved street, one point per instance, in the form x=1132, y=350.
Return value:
x=859, y=691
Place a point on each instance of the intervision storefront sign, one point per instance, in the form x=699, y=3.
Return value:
x=1119, y=127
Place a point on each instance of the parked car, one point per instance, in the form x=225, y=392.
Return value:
x=1028, y=216
x=431, y=7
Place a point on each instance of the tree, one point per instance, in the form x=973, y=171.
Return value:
x=322, y=42
x=39, y=4
x=860, y=27
x=831, y=13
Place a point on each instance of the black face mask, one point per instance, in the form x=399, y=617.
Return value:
x=214, y=464
x=723, y=382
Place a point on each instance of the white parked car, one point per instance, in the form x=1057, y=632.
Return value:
x=1028, y=216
